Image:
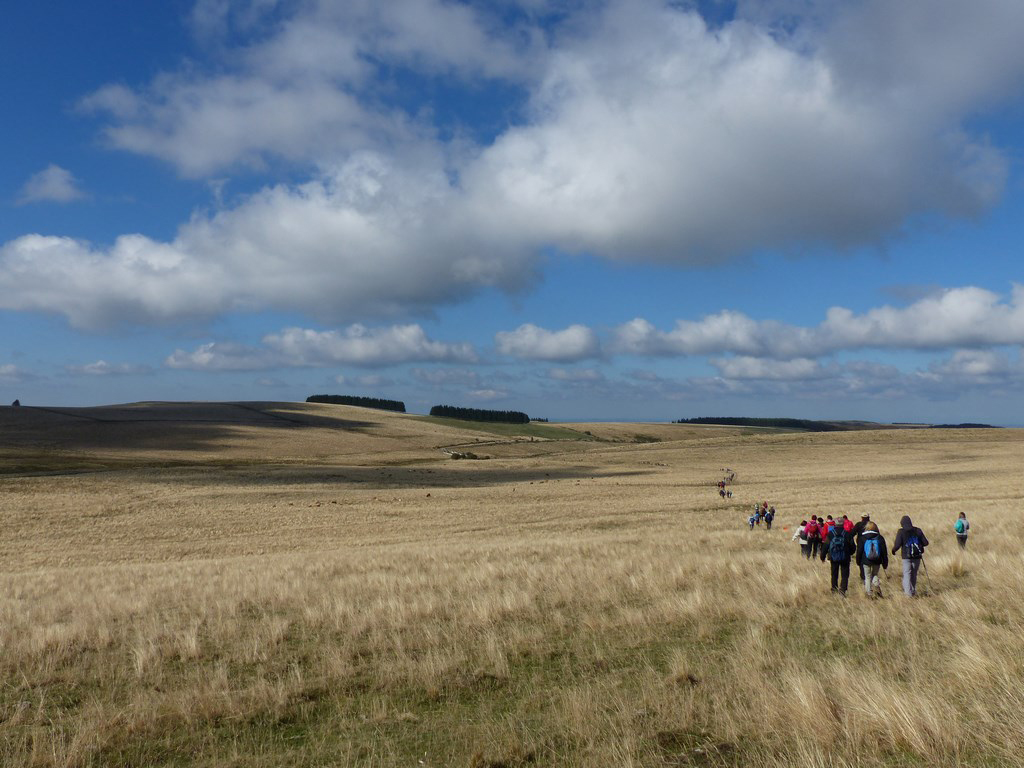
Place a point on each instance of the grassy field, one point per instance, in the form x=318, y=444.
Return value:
x=313, y=585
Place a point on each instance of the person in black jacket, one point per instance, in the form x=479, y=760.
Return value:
x=868, y=560
x=910, y=543
x=858, y=528
x=839, y=544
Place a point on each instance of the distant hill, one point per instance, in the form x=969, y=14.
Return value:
x=811, y=425
x=804, y=425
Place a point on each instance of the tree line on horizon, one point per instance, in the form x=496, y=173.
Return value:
x=363, y=402
x=479, y=414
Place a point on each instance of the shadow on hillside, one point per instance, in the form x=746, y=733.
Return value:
x=167, y=428
x=396, y=478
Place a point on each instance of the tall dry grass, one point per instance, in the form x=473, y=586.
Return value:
x=592, y=605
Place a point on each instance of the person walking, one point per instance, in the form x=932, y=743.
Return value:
x=769, y=516
x=858, y=528
x=826, y=529
x=801, y=534
x=910, y=542
x=961, y=527
x=813, y=537
x=871, y=555
x=839, y=544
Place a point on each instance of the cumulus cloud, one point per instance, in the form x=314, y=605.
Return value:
x=979, y=363
x=103, y=368
x=646, y=135
x=355, y=345
x=53, y=184
x=371, y=239
x=308, y=88
x=359, y=345
x=531, y=342
x=968, y=317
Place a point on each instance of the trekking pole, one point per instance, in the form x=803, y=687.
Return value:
x=927, y=579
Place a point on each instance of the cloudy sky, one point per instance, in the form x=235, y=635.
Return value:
x=584, y=209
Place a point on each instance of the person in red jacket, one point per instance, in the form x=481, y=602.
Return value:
x=826, y=529
x=813, y=532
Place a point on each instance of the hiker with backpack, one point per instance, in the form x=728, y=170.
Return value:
x=813, y=532
x=768, y=517
x=858, y=528
x=801, y=534
x=840, y=545
x=826, y=529
x=871, y=555
x=910, y=543
x=961, y=527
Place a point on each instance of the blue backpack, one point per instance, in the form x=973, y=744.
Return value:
x=872, y=550
x=912, y=547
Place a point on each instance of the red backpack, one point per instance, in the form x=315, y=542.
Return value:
x=812, y=530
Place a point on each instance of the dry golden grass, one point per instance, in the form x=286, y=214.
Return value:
x=333, y=590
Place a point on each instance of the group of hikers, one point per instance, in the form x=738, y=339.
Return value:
x=842, y=540
x=723, y=490
x=762, y=512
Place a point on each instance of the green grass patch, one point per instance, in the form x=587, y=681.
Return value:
x=542, y=431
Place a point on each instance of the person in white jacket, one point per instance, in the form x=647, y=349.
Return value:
x=801, y=534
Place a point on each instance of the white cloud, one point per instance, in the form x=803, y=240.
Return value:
x=974, y=362
x=309, y=88
x=13, y=374
x=356, y=345
x=648, y=135
x=372, y=239
x=655, y=137
x=761, y=368
x=531, y=342
x=53, y=184
x=223, y=356
x=103, y=368
x=487, y=394
x=958, y=317
x=576, y=375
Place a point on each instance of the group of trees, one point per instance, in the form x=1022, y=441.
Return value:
x=479, y=414
x=446, y=411
x=364, y=402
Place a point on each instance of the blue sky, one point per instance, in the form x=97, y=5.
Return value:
x=585, y=210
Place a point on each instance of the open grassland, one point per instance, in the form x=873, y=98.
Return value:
x=310, y=585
